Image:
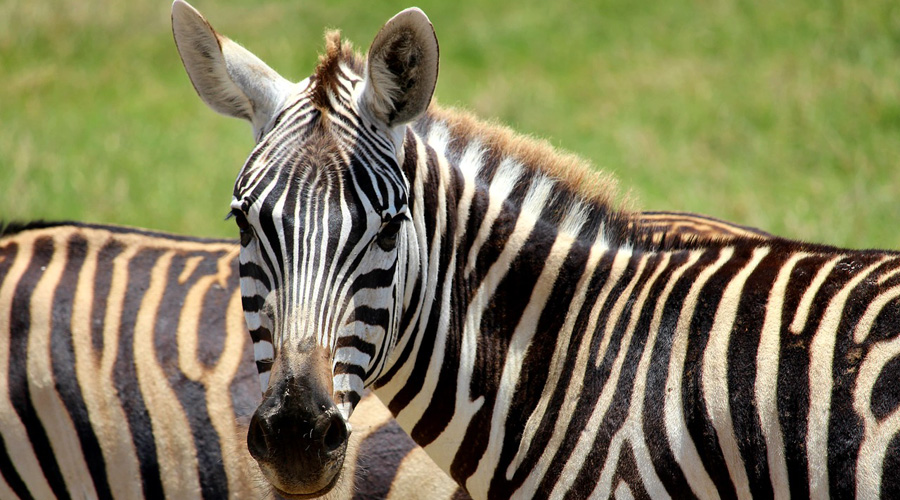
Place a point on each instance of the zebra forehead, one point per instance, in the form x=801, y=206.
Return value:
x=321, y=150
x=313, y=159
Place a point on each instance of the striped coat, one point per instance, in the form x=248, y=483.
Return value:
x=527, y=332
x=126, y=371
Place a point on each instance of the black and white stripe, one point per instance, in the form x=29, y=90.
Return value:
x=538, y=342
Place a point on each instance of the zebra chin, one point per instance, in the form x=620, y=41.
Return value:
x=299, y=490
x=298, y=436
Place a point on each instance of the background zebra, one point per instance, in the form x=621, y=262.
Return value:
x=126, y=372
x=200, y=384
x=516, y=322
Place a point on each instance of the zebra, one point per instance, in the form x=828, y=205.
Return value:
x=204, y=273
x=126, y=372
x=517, y=322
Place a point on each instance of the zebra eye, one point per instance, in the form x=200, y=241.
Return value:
x=244, y=226
x=387, y=237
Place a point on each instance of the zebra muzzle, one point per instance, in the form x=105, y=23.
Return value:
x=297, y=435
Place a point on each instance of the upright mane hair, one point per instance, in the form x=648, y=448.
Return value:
x=326, y=77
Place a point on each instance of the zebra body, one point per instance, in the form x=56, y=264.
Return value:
x=127, y=373
x=534, y=339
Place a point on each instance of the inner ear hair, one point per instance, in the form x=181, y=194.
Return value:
x=402, y=68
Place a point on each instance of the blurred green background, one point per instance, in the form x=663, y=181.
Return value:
x=781, y=115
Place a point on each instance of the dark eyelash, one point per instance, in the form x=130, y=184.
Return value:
x=387, y=237
x=243, y=225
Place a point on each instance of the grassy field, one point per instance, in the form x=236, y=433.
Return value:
x=781, y=115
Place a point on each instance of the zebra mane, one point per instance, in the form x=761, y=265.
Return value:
x=579, y=185
x=580, y=191
x=327, y=74
x=576, y=173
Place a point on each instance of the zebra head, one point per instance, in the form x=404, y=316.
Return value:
x=323, y=207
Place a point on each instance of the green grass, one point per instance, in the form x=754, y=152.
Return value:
x=781, y=115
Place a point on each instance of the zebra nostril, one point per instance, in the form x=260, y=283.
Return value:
x=256, y=439
x=335, y=434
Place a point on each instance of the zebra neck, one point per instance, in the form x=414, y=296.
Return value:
x=489, y=314
x=490, y=175
x=498, y=242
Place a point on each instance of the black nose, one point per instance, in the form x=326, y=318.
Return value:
x=296, y=432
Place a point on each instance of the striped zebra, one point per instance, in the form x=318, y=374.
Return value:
x=522, y=328
x=126, y=372
x=203, y=372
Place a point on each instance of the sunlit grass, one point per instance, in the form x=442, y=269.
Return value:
x=780, y=115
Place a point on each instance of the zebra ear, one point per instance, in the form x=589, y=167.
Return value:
x=402, y=68
x=228, y=78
